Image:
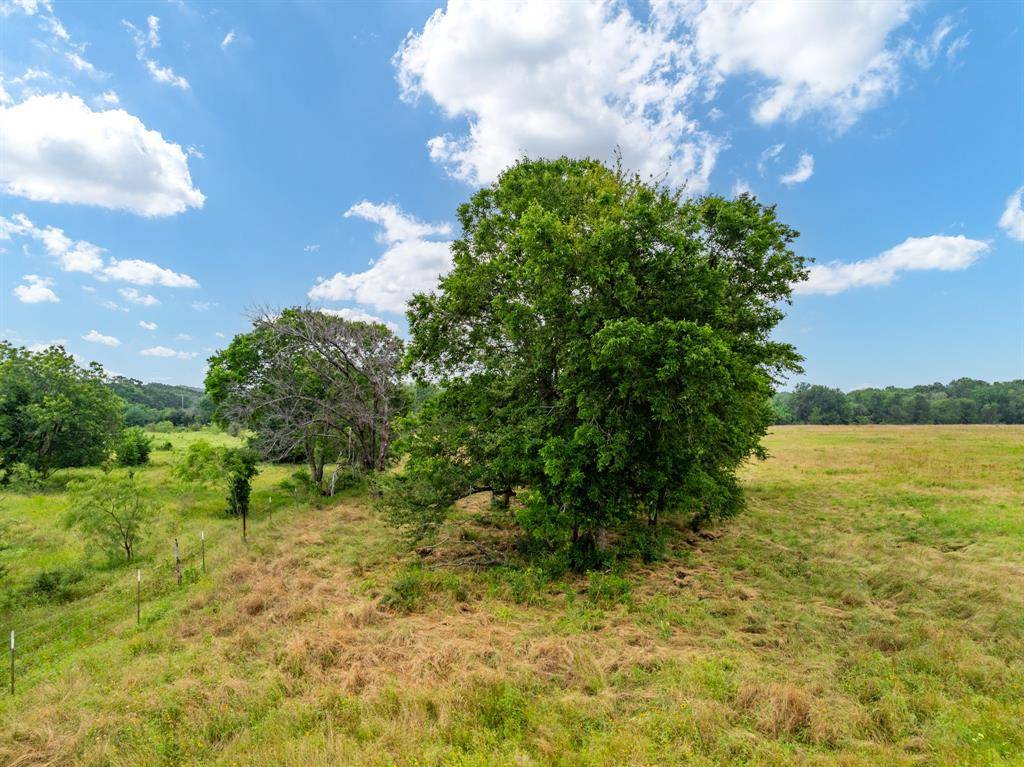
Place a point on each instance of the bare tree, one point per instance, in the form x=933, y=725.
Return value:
x=308, y=381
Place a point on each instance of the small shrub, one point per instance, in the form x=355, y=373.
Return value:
x=55, y=585
x=523, y=586
x=608, y=588
x=23, y=478
x=133, y=448
x=165, y=446
x=501, y=708
x=407, y=593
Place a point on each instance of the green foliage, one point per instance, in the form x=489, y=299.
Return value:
x=240, y=467
x=608, y=588
x=23, y=478
x=600, y=343
x=59, y=585
x=110, y=511
x=149, y=403
x=204, y=464
x=964, y=400
x=54, y=413
x=407, y=593
x=133, y=447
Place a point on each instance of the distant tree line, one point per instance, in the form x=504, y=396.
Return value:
x=150, y=403
x=965, y=400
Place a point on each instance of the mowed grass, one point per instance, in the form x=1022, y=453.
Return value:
x=868, y=609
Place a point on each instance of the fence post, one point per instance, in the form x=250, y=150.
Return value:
x=202, y=544
x=177, y=561
x=12, y=661
x=138, y=597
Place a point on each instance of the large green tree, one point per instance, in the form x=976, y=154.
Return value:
x=53, y=412
x=603, y=344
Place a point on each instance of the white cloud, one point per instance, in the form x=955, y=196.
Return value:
x=203, y=306
x=409, y=265
x=79, y=63
x=59, y=150
x=36, y=290
x=73, y=256
x=82, y=256
x=804, y=170
x=166, y=75
x=219, y=334
x=546, y=79
x=139, y=272
x=395, y=226
x=1012, y=220
x=95, y=337
x=740, y=187
x=228, y=39
x=183, y=337
x=109, y=98
x=832, y=57
x=312, y=248
x=146, y=41
x=147, y=325
x=358, y=315
x=769, y=155
x=135, y=297
x=936, y=252
x=163, y=351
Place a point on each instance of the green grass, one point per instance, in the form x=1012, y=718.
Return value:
x=868, y=609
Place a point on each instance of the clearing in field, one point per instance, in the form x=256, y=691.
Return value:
x=867, y=609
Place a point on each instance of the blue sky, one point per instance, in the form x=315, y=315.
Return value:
x=167, y=166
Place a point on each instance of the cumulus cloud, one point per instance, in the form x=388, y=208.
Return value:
x=936, y=252
x=163, y=351
x=147, y=325
x=140, y=272
x=1012, y=220
x=838, y=59
x=228, y=39
x=546, y=79
x=137, y=297
x=72, y=255
x=82, y=256
x=35, y=290
x=410, y=263
x=95, y=337
x=57, y=149
x=804, y=170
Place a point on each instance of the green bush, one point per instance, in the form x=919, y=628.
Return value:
x=23, y=478
x=55, y=585
x=608, y=588
x=134, y=447
x=407, y=593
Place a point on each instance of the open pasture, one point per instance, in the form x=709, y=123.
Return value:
x=867, y=609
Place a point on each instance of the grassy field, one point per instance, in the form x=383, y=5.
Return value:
x=868, y=609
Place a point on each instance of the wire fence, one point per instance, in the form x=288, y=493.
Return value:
x=184, y=561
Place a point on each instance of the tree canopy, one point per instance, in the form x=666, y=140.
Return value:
x=53, y=412
x=602, y=348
